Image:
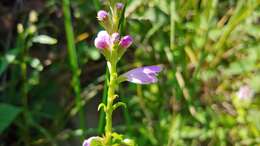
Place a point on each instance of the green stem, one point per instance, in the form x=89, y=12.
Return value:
x=172, y=33
x=73, y=60
x=24, y=92
x=110, y=100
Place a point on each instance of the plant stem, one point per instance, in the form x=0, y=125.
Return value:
x=73, y=60
x=110, y=99
x=24, y=92
x=172, y=33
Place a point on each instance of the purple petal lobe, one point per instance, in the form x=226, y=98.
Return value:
x=102, y=40
x=126, y=41
x=143, y=75
x=102, y=15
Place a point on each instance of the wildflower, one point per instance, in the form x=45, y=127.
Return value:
x=119, y=6
x=245, y=92
x=143, y=75
x=102, y=40
x=102, y=15
x=20, y=28
x=95, y=140
x=126, y=41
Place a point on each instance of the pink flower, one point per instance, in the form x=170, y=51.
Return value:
x=102, y=15
x=143, y=75
x=126, y=41
x=102, y=40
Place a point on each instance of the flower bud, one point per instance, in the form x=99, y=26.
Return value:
x=20, y=28
x=115, y=38
x=119, y=6
x=126, y=41
x=33, y=16
x=32, y=29
x=102, y=15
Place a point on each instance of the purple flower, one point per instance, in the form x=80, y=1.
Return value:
x=102, y=40
x=115, y=37
x=102, y=15
x=245, y=92
x=143, y=75
x=126, y=41
x=119, y=6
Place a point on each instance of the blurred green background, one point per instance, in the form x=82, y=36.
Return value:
x=207, y=94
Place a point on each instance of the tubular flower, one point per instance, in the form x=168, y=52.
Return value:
x=102, y=15
x=126, y=41
x=143, y=75
x=102, y=40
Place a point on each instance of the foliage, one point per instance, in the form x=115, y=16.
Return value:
x=209, y=50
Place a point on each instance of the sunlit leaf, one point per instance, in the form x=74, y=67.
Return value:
x=44, y=39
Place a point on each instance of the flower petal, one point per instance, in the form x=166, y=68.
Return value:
x=143, y=75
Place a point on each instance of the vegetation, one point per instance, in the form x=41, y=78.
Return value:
x=53, y=77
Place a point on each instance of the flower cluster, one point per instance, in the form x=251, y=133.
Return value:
x=108, y=42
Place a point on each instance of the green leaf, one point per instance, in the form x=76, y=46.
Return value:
x=44, y=39
x=102, y=105
x=115, y=106
x=7, y=59
x=7, y=115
